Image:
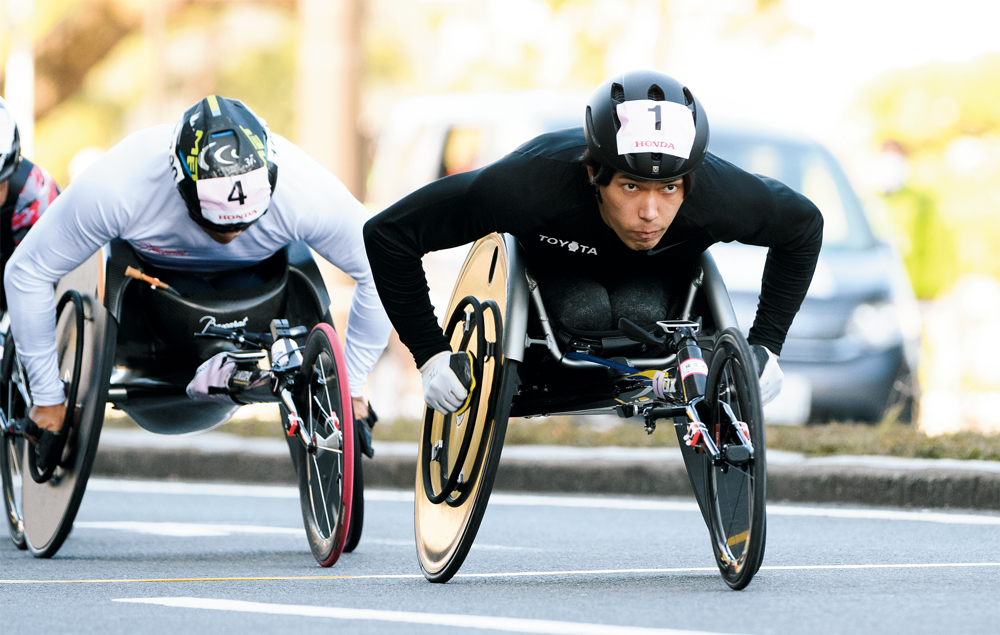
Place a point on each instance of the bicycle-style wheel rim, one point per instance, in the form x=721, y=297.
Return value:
x=736, y=494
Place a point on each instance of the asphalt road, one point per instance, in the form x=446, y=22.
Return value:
x=139, y=553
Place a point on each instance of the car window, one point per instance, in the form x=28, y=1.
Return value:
x=810, y=171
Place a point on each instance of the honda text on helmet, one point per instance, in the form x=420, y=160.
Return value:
x=646, y=125
x=223, y=164
x=10, y=143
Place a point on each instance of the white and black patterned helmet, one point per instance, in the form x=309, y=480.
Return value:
x=647, y=125
x=223, y=163
x=10, y=143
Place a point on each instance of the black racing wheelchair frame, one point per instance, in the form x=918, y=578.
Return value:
x=124, y=338
x=696, y=370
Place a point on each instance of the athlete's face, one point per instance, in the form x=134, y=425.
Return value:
x=223, y=238
x=639, y=211
x=3, y=191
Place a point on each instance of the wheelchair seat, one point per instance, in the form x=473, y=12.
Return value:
x=176, y=318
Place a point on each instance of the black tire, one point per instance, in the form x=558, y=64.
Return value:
x=475, y=507
x=326, y=476
x=12, y=453
x=736, y=494
x=358, y=506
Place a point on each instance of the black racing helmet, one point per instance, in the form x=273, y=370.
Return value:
x=647, y=125
x=223, y=163
x=10, y=143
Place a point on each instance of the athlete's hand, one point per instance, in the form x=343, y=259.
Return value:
x=771, y=377
x=360, y=407
x=213, y=373
x=49, y=417
x=444, y=390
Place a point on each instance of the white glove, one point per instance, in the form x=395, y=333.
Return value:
x=216, y=372
x=771, y=377
x=443, y=390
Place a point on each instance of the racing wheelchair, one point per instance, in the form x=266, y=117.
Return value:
x=695, y=370
x=128, y=338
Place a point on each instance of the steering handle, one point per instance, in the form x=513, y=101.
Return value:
x=635, y=332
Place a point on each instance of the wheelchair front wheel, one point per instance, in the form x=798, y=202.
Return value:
x=326, y=469
x=736, y=493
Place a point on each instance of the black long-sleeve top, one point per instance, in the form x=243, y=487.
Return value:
x=540, y=193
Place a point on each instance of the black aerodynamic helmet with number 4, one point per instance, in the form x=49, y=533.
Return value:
x=647, y=125
x=223, y=163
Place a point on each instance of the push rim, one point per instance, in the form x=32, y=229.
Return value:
x=440, y=429
x=71, y=381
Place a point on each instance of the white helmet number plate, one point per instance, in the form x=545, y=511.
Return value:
x=229, y=200
x=655, y=126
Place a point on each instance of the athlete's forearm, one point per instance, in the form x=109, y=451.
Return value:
x=367, y=334
x=788, y=273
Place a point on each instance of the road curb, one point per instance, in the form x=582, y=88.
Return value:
x=887, y=487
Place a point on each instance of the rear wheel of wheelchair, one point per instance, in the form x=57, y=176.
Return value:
x=49, y=508
x=459, y=454
x=12, y=467
x=358, y=504
x=736, y=491
x=326, y=468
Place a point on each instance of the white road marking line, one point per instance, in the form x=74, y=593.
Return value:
x=535, y=500
x=926, y=516
x=508, y=624
x=187, y=530
x=521, y=574
x=192, y=489
x=413, y=544
x=201, y=530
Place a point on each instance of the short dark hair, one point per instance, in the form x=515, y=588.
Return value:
x=604, y=173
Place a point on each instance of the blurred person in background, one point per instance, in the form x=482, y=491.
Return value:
x=602, y=211
x=201, y=204
x=26, y=191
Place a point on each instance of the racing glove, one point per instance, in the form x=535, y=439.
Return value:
x=48, y=445
x=365, y=432
x=448, y=381
x=771, y=376
x=214, y=372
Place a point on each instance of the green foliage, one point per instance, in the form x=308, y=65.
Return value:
x=947, y=118
x=926, y=107
x=886, y=439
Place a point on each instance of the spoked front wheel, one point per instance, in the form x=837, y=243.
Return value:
x=326, y=467
x=736, y=487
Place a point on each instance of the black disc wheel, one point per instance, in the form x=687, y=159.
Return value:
x=736, y=487
x=13, y=406
x=326, y=466
x=358, y=505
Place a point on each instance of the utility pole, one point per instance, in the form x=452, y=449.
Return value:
x=328, y=87
x=19, y=87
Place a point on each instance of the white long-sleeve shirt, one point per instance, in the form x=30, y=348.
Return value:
x=130, y=193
